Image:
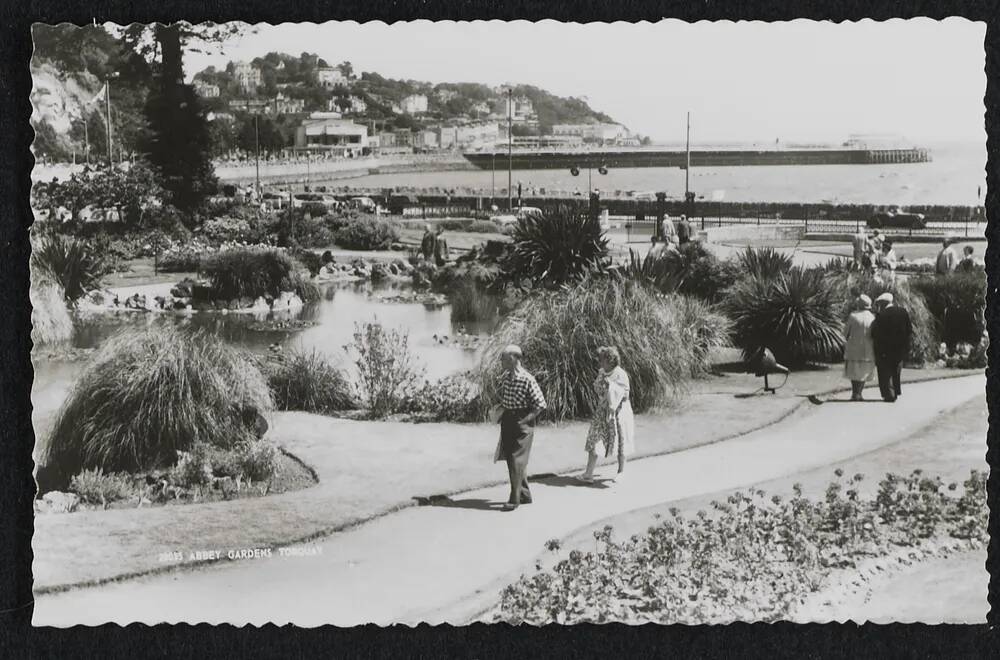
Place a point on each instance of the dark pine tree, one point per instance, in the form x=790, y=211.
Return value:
x=179, y=142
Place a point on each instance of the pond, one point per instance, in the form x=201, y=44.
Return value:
x=335, y=315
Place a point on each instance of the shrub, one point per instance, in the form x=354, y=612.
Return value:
x=367, y=234
x=304, y=288
x=97, y=487
x=556, y=249
x=248, y=273
x=765, y=262
x=308, y=382
x=484, y=227
x=256, y=460
x=71, y=263
x=184, y=257
x=147, y=395
x=50, y=319
x=387, y=371
x=957, y=303
x=308, y=232
x=450, y=399
x=923, y=342
x=692, y=270
x=454, y=225
x=310, y=260
x=797, y=315
x=560, y=333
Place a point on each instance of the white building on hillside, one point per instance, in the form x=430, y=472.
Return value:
x=206, y=90
x=248, y=77
x=322, y=132
x=330, y=77
x=414, y=104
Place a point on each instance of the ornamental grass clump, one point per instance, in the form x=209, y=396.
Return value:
x=50, y=319
x=147, y=395
x=560, y=332
x=957, y=303
x=798, y=315
x=308, y=382
x=72, y=263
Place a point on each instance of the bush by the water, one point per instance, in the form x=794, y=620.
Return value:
x=957, y=303
x=367, y=233
x=72, y=263
x=560, y=332
x=388, y=373
x=147, y=395
x=308, y=382
x=248, y=273
x=559, y=248
x=50, y=319
x=450, y=399
x=797, y=315
x=470, y=303
x=752, y=558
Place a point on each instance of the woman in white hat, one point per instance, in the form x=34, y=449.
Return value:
x=859, y=352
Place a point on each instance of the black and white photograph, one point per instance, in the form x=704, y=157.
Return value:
x=539, y=323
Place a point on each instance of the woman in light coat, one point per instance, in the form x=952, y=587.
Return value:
x=859, y=353
x=612, y=429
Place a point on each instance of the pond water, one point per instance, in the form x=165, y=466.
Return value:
x=341, y=307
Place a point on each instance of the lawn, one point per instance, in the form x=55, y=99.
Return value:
x=369, y=468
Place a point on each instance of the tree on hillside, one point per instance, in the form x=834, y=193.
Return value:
x=346, y=68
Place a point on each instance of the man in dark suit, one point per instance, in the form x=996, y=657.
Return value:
x=891, y=332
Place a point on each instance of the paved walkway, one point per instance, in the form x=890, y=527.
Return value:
x=408, y=566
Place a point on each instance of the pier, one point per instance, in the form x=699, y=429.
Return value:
x=624, y=158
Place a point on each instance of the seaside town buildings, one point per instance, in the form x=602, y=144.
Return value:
x=206, y=90
x=592, y=133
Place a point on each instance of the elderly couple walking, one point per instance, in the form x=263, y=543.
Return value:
x=612, y=429
x=876, y=342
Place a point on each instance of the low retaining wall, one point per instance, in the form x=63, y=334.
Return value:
x=751, y=232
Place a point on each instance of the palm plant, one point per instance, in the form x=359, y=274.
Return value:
x=555, y=249
x=764, y=262
x=797, y=315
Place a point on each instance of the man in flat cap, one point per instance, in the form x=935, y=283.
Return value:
x=521, y=402
x=891, y=332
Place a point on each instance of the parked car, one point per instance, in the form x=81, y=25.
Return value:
x=897, y=218
x=504, y=220
x=301, y=199
x=366, y=204
x=398, y=203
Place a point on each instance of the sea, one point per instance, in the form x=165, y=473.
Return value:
x=955, y=176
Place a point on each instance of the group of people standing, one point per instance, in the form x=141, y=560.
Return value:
x=612, y=428
x=947, y=261
x=434, y=246
x=874, y=254
x=672, y=236
x=876, y=342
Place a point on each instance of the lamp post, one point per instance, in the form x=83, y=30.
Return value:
x=493, y=185
x=256, y=138
x=510, y=147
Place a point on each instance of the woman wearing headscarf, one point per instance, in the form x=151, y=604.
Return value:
x=859, y=352
x=612, y=429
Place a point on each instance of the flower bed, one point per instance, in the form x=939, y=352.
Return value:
x=752, y=558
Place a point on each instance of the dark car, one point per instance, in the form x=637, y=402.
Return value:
x=897, y=218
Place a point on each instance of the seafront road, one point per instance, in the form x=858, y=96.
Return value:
x=415, y=565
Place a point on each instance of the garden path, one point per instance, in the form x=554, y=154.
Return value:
x=407, y=566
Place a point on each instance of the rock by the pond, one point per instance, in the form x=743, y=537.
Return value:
x=379, y=272
x=59, y=502
x=184, y=288
x=286, y=300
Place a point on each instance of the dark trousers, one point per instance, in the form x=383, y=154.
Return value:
x=515, y=445
x=888, y=377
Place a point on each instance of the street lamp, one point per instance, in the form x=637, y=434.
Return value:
x=107, y=105
x=601, y=169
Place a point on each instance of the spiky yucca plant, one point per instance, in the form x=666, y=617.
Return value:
x=764, y=262
x=797, y=315
x=559, y=248
x=72, y=263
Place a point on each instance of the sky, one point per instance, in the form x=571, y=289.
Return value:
x=746, y=81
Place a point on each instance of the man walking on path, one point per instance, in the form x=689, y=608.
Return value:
x=521, y=401
x=891, y=332
x=860, y=243
x=427, y=243
x=946, y=259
